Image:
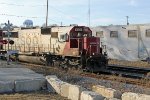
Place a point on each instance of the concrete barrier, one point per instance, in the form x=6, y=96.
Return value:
x=75, y=92
x=6, y=86
x=54, y=84
x=89, y=95
x=135, y=96
x=65, y=89
x=107, y=92
x=30, y=85
x=51, y=77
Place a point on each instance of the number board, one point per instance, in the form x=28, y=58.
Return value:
x=78, y=29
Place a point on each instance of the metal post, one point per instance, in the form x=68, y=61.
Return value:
x=8, y=29
x=138, y=29
x=47, y=14
x=127, y=20
x=8, y=50
x=89, y=12
x=61, y=23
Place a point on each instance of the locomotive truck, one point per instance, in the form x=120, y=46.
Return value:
x=67, y=46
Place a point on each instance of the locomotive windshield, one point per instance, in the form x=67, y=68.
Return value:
x=80, y=35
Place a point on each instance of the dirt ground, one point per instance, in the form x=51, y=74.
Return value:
x=40, y=95
x=44, y=95
x=129, y=63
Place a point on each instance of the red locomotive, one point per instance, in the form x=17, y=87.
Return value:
x=67, y=45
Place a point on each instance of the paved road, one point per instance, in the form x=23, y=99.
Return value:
x=16, y=72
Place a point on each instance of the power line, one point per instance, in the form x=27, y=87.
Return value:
x=35, y=17
x=12, y=4
x=58, y=10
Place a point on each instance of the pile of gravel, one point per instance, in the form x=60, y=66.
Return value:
x=87, y=83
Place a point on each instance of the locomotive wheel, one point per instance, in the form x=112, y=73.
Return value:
x=89, y=65
x=74, y=64
x=64, y=64
x=92, y=65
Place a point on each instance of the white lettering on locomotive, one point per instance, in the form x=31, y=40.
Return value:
x=78, y=29
x=35, y=40
x=93, y=43
x=28, y=40
x=22, y=40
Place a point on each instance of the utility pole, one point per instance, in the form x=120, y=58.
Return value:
x=127, y=20
x=61, y=24
x=89, y=13
x=47, y=14
x=8, y=29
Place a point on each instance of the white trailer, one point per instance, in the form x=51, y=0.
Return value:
x=125, y=42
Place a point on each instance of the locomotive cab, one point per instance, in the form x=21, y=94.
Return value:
x=78, y=36
x=83, y=45
x=81, y=40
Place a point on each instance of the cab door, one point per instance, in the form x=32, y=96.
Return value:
x=80, y=45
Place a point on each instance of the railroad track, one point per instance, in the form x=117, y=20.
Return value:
x=123, y=71
x=129, y=71
x=126, y=71
x=144, y=82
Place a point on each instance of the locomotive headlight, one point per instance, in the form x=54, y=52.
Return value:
x=93, y=53
x=79, y=34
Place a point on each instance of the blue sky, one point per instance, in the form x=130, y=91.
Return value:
x=103, y=12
